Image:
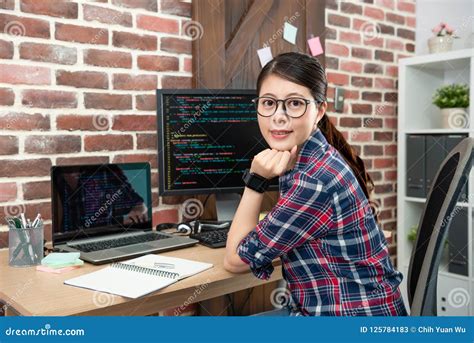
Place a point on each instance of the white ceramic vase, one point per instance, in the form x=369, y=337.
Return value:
x=440, y=44
x=455, y=118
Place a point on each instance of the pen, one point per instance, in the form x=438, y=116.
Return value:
x=23, y=220
x=36, y=221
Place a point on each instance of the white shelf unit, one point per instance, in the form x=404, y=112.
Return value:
x=419, y=77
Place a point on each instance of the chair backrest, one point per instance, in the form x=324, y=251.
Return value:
x=433, y=228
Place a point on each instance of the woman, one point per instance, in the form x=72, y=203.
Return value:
x=334, y=256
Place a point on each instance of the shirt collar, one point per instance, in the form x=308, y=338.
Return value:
x=312, y=148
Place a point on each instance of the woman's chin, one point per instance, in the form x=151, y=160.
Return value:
x=280, y=146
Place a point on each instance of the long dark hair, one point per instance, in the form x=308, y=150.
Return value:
x=307, y=71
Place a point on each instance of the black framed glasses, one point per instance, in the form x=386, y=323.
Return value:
x=295, y=107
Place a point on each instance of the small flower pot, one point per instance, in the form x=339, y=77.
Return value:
x=440, y=44
x=455, y=118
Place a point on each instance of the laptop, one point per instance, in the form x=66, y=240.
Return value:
x=105, y=212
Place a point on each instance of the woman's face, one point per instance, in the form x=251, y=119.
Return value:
x=297, y=130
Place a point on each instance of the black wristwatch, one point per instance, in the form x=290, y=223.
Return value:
x=254, y=181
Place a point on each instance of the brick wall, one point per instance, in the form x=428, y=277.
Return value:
x=77, y=85
x=364, y=41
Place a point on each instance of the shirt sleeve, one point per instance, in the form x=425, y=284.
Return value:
x=302, y=213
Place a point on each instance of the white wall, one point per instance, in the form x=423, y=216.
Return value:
x=459, y=14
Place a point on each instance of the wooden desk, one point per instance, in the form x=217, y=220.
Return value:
x=28, y=292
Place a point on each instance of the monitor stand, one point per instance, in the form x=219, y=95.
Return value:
x=226, y=206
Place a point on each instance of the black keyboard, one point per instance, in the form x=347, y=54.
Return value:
x=118, y=242
x=212, y=238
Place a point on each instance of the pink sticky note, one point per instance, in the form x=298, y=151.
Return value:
x=315, y=46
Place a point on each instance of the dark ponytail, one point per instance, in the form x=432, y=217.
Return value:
x=306, y=70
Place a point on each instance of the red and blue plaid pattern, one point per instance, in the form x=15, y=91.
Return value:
x=334, y=256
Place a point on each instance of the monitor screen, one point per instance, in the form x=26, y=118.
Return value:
x=206, y=139
x=98, y=199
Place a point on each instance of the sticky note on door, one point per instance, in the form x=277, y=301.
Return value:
x=265, y=55
x=315, y=46
x=289, y=33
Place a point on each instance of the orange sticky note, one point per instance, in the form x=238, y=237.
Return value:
x=315, y=46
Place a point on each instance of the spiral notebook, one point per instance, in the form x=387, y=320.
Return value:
x=140, y=276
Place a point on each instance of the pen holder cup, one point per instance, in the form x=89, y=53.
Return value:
x=25, y=246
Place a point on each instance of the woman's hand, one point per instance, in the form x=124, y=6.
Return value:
x=270, y=163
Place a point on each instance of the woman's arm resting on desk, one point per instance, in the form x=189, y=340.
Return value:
x=244, y=221
x=268, y=163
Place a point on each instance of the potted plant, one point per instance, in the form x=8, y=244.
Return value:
x=442, y=39
x=453, y=101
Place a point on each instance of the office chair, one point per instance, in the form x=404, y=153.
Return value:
x=433, y=228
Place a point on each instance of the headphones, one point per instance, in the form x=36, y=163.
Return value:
x=195, y=226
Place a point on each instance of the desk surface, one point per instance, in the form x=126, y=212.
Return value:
x=34, y=293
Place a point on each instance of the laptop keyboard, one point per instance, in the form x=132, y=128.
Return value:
x=119, y=242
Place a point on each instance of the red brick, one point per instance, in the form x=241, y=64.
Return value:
x=373, y=68
x=385, y=109
x=48, y=53
x=404, y=33
x=52, y=144
x=108, y=101
x=382, y=55
x=339, y=20
x=145, y=102
x=361, y=108
x=20, y=26
x=372, y=96
x=135, y=82
x=351, y=8
x=6, y=49
x=188, y=65
x=372, y=122
x=81, y=34
x=349, y=37
x=108, y=142
x=107, y=15
x=391, y=71
x=52, y=8
x=23, y=121
x=147, y=141
x=361, y=53
x=386, y=3
x=182, y=9
x=134, y=41
x=372, y=12
x=384, y=163
x=8, y=145
x=82, y=79
x=352, y=67
x=158, y=63
x=349, y=122
x=394, y=44
x=8, y=191
x=37, y=190
x=165, y=216
x=48, y=99
x=406, y=6
x=25, y=167
x=177, y=45
x=83, y=122
x=150, y=158
x=7, y=97
x=373, y=41
x=69, y=161
x=151, y=23
x=42, y=207
x=7, y=4
x=176, y=82
x=134, y=123
x=361, y=136
x=395, y=18
x=384, y=83
x=149, y=5
x=391, y=149
x=27, y=75
x=359, y=81
x=411, y=22
x=337, y=49
x=337, y=78
x=383, y=136
x=110, y=59
x=373, y=150
x=390, y=175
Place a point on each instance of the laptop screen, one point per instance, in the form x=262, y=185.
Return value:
x=94, y=200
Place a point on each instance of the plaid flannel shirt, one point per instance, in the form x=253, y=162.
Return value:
x=334, y=256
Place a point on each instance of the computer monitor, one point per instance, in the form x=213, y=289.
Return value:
x=206, y=139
